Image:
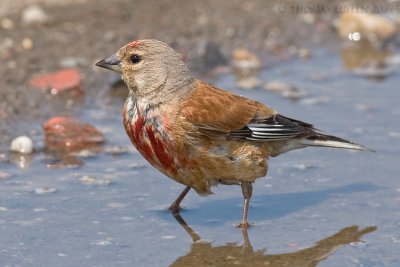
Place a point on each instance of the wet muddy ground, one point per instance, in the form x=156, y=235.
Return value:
x=317, y=206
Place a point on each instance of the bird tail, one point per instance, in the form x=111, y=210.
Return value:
x=324, y=140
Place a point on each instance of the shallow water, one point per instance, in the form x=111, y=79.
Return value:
x=117, y=215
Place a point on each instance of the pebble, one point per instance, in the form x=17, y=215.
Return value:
x=6, y=43
x=27, y=43
x=22, y=144
x=57, y=82
x=393, y=60
x=248, y=83
x=304, y=166
x=116, y=205
x=363, y=107
x=91, y=180
x=374, y=70
x=116, y=150
x=6, y=23
x=303, y=53
x=73, y=62
x=243, y=59
x=372, y=27
x=44, y=190
x=284, y=89
x=106, y=242
x=64, y=133
x=4, y=175
x=34, y=14
x=312, y=101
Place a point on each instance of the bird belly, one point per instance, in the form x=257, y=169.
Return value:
x=224, y=162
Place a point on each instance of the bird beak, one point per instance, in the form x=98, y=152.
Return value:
x=111, y=63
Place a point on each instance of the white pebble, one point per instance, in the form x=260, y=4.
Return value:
x=34, y=14
x=22, y=144
x=44, y=190
x=90, y=180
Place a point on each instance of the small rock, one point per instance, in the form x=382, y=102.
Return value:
x=245, y=60
x=277, y=86
x=364, y=107
x=137, y=165
x=303, y=53
x=116, y=205
x=368, y=26
x=106, y=242
x=34, y=14
x=73, y=62
x=393, y=60
x=6, y=44
x=63, y=133
x=22, y=144
x=356, y=54
x=4, y=175
x=248, y=83
x=7, y=23
x=85, y=153
x=303, y=166
x=27, y=43
x=312, y=101
x=57, y=82
x=378, y=70
x=44, y=190
x=285, y=90
x=90, y=180
x=116, y=150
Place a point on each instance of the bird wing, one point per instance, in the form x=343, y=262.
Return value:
x=218, y=113
x=274, y=128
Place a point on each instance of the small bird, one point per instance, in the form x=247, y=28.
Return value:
x=200, y=135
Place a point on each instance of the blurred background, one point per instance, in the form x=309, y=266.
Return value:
x=73, y=191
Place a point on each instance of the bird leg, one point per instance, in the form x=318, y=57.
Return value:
x=247, y=191
x=175, y=206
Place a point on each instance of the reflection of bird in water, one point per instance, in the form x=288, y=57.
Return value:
x=204, y=254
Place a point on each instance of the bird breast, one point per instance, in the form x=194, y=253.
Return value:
x=150, y=136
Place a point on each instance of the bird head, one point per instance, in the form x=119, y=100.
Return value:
x=150, y=68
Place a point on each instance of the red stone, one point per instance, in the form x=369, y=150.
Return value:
x=57, y=82
x=69, y=134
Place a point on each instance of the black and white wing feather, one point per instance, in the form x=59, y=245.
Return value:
x=274, y=128
x=281, y=128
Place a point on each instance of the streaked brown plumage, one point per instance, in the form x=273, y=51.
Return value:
x=197, y=134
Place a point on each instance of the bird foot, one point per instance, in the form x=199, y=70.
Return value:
x=175, y=209
x=244, y=225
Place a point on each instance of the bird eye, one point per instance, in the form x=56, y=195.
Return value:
x=135, y=58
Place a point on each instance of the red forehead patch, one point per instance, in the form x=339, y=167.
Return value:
x=135, y=43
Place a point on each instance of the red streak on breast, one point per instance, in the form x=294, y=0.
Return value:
x=160, y=150
x=150, y=144
x=135, y=133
